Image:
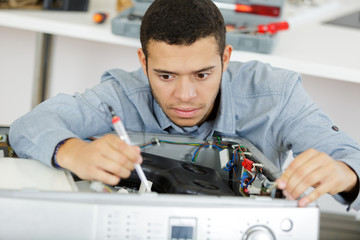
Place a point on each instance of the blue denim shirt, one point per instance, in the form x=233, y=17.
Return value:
x=265, y=105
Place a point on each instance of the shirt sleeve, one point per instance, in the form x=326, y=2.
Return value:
x=36, y=134
x=302, y=125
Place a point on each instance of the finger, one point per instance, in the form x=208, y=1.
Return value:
x=312, y=179
x=138, y=150
x=303, y=173
x=295, y=164
x=102, y=152
x=115, y=168
x=112, y=160
x=130, y=152
x=95, y=173
x=106, y=177
x=318, y=192
x=117, y=150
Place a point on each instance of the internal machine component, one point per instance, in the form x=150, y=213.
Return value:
x=184, y=165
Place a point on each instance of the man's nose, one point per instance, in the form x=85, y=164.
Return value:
x=185, y=89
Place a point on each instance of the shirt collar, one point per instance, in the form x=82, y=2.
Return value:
x=163, y=120
x=225, y=118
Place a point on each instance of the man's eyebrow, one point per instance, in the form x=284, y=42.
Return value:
x=164, y=71
x=170, y=73
x=205, y=69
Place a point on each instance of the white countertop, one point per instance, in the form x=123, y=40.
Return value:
x=32, y=175
x=309, y=47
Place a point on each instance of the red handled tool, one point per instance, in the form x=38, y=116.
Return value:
x=253, y=9
x=271, y=28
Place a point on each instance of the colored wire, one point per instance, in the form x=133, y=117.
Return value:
x=169, y=142
x=236, y=177
x=219, y=146
x=107, y=189
x=146, y=145
x=232, y=163
x=180, y=143
x=243, y=177
x=196, y=153
x=252, y=180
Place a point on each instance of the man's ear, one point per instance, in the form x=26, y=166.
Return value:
x=226, y=56
x=142, y=60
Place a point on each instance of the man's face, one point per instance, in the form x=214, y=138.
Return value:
x=185, y=80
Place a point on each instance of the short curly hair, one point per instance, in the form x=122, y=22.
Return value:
x=182, y=22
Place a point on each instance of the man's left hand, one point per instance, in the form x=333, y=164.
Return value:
x=316, y=169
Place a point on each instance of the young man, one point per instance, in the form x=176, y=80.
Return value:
x=188, y=86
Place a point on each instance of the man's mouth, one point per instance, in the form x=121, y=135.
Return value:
x=186, y=112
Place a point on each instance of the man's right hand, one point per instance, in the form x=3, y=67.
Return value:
x=107, y=159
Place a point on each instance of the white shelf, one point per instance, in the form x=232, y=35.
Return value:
x=64, y=23
x=309, y=47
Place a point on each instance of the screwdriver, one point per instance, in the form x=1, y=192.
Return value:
x=120, y=130
x=271, y=28
x=253, y=9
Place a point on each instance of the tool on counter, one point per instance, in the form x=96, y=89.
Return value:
x=100, y=17
x=120, y=130
x=252, y=9
x=133, y=16
x=271, y=28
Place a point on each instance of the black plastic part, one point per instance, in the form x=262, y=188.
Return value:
x=66, y=5
x=177, y=177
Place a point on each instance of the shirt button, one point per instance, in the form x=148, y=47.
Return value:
x=335, y=128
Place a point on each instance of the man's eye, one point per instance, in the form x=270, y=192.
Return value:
x=166, y=77
x=202, y=75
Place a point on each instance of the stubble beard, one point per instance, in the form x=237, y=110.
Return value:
x=189, y=104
